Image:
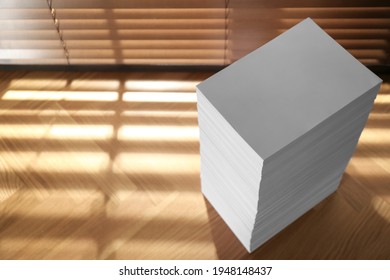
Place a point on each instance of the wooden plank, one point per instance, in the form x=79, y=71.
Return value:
x=55, y=205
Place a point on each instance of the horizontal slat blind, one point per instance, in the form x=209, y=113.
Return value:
x=179, y=32
x=184, y=32
x=362, y=26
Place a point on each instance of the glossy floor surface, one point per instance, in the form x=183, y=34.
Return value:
x=106, y=166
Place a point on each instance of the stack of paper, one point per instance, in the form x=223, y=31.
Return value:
x=277, y=129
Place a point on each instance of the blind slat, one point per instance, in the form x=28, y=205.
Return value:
x=112, y=4
x=166, y=13
x=150, y=54
x=129, y=24
x=109, y=44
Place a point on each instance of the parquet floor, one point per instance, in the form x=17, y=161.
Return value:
x=106, y=166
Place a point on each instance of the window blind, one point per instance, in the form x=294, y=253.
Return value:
x=178, y=32
x=361, y=26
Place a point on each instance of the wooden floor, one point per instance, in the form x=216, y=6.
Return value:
x=106, y=166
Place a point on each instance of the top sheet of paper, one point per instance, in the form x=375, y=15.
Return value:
x=283, y=89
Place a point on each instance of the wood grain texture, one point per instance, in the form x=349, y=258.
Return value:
x=106, y=166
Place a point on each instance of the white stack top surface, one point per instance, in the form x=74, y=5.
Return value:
x=287, y=87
